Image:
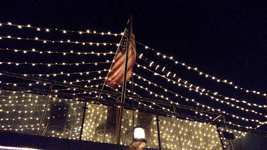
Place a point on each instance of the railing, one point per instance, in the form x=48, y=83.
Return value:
x=21, y=112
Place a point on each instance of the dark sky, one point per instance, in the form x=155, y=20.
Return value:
x=226, y=39
x=223, y=38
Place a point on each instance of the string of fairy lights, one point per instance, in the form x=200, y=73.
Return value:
x=201, y=114
x=189, y=137
x=48, y=52
x=150, y=65
x=84, y=92
x=199, y=104
x=186, y=99
x=200, y=90
x=201, y=73
x=163, y=108
x=68, y=73
x=45, y=84
x=63, y=53
x=140, y=103
x=237, y=125
x=213, y=110
x=58, y=41
x=156, y=94
x=156, y=67
x=55, y=64
x=162, y=127
x=59, y=30
x=33, y=50
x=212, y=98
x=100, y=77
x=164, y=123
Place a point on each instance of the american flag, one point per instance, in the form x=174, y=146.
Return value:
x=116, y=75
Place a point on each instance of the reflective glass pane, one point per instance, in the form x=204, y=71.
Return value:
x=24, y=112
x=183, y=134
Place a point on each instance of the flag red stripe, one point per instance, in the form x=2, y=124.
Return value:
x=113, y=70
x=127, y=77
x=116, y=75
x=121, y=67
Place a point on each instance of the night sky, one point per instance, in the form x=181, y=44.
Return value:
x=226, y=39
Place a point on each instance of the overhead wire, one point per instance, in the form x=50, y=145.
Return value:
x=33, y=50
x=59, y=30
x=201, y=93
x=58, y=41
x=197, y=104
x=201, y=73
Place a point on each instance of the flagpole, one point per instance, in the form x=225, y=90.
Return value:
x=123, y=93
x=111, y=63
x=133, y=105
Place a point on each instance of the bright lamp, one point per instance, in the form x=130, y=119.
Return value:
x=139, y=133
x=139, y=140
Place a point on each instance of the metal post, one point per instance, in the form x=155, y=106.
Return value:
x=180, y=143
x=105, y=128
x=117, y=119
x=84, y=111
x=70, y=131
x=231, y=143
x=174, y=109
x=111, y=65
x=132, y=106
x=124, y=83
x=216, y=127
x=219, y=136
x=158, y=131
x=45, y=109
